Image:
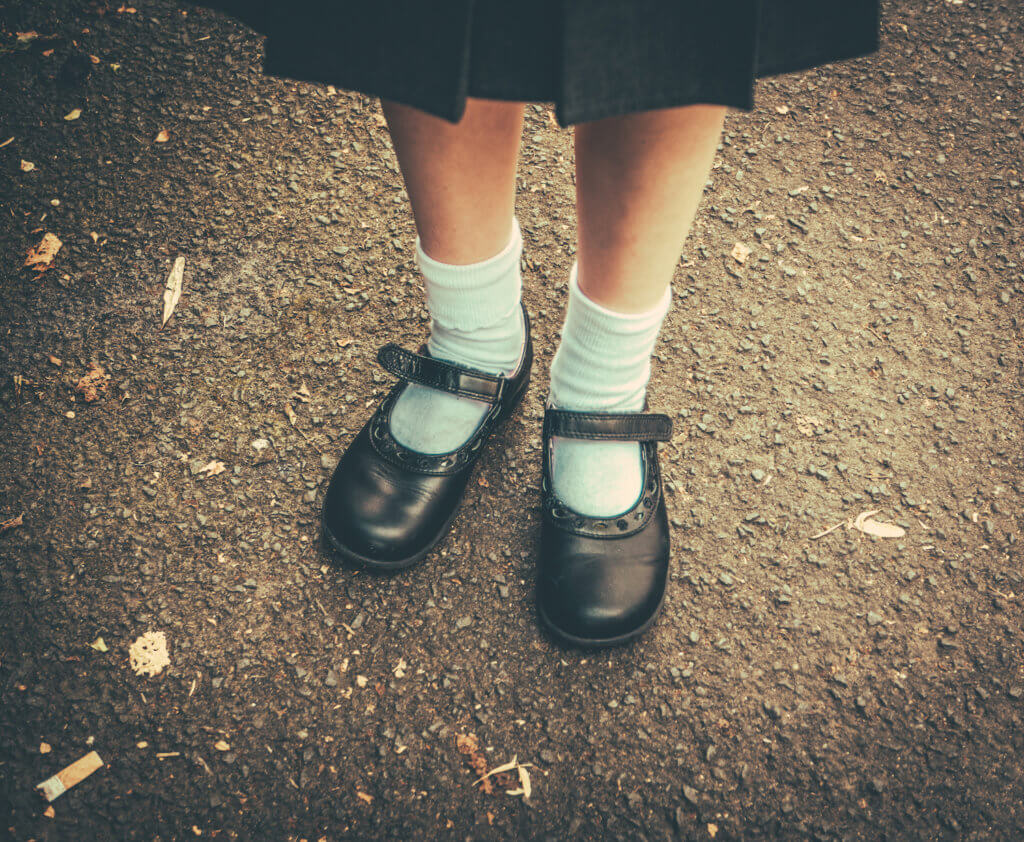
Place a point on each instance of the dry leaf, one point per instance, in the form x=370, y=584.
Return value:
x=172, y=292
x=94, y=59
x=44, y=748
x=867, y=525
x=362, y=796
x=93, y=384
x=148, y=654
x=25, y=37
x=41, y=257
x=162, y=136
x=524, y=789
x=73, y=114
x=10, y=524
x=27, y=166
x=99, y=645
x=54, y=360
x=129, y=10
x=49, y=812
x=292, y=418
x=806, y=424
x=782, y=109
x=740, y=252
x=467, y=744
x=220, y=745
x=213, y=468
x=524, y=784
x=504, y=767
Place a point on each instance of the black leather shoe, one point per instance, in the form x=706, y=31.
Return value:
x=387, y=506
x=601, y=581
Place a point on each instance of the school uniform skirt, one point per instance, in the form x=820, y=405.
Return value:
x=590, y=58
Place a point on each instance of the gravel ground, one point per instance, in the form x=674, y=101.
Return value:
x=866, y=354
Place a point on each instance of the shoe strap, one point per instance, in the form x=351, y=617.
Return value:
x=441, y=375
x=608, y=426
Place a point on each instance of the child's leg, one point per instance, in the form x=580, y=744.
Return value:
x=461, y=182
x=639, y=180
x=461, y=178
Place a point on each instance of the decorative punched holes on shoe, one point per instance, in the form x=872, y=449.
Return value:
x=646, y=429
x=443, y=376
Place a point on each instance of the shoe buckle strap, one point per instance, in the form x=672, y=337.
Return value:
x=441, y=375
x=608, y=426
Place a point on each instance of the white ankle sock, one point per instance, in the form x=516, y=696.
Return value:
x=476, y=321
x=602, y=365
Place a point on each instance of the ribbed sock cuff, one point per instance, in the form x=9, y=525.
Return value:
x=473, y=295
x=603, y=362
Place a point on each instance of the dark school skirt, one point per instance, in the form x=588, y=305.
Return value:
x=591, y=58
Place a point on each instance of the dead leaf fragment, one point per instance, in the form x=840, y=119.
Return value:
x=213, y=468
x=806, y=424
x=162, y=136
x=292, y=417
x=363, y=796
x=172, y=291
x=869, y=526
x=469, y=747
x=10, y=524
x=148, y=654
x=740, y=252
x=524, y=788
x=49, y=812
x=54, y=360
x=41, y=257
x=221, y=745
x=25, y=37
x=44, y=748
x=781, y=109
x=93, y=384
x=27, y=166
x=99, y=645
x=73, y=114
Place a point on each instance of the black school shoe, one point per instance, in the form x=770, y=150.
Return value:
x=601, y=581
x=387, y=506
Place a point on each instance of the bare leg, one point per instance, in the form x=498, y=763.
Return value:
x=639, y=179
x=461, y=178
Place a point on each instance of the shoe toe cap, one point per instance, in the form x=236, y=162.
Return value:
x=590, y=599
x=379, y=515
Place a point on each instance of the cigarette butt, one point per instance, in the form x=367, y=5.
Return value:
x=70, y=775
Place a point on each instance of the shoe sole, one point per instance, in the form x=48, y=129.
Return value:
x=364, y=562
x=598, y=642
